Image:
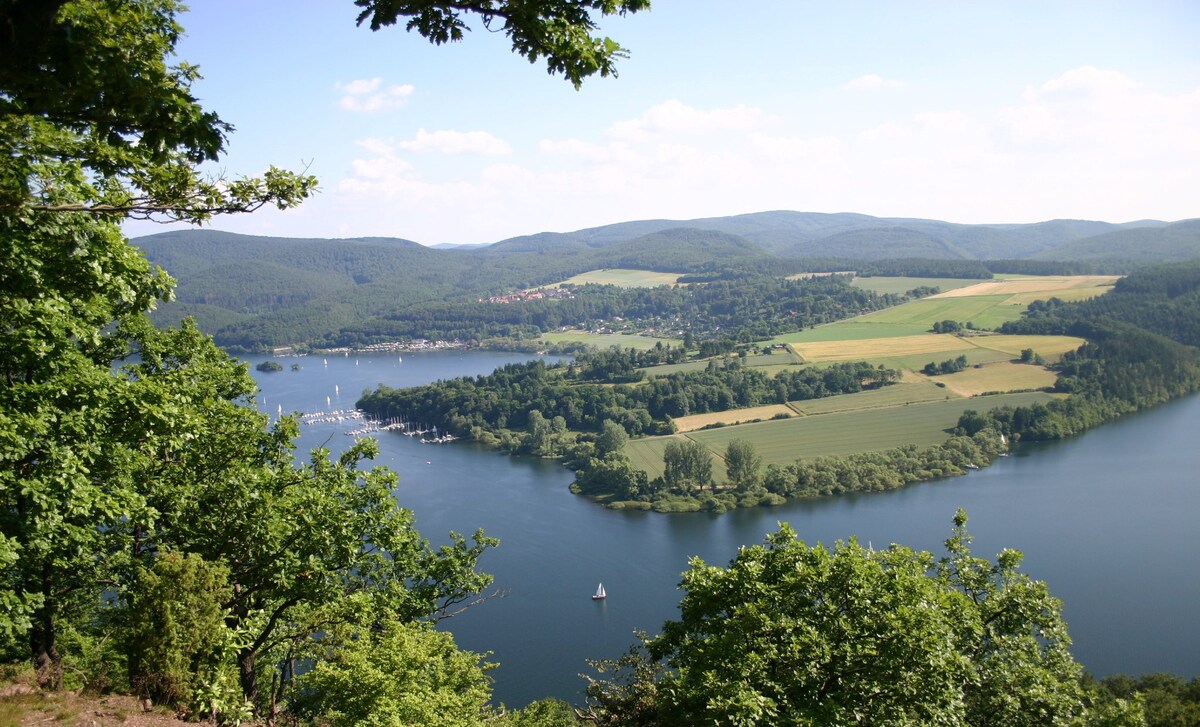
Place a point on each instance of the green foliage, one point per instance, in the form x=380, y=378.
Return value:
x=269, y=366
x=177, y=642
x=743, y=464
x=793, y=634
x=687, y=464
x=393, y=674
x=558, y=30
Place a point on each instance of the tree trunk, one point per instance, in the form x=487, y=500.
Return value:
x=246, y=658
x=47, y=663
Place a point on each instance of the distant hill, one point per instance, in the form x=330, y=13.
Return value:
x=807, y=234
x=261, y=291
x=1168, y=243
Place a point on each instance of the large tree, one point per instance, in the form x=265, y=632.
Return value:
x=119, y=443
x=798, y=634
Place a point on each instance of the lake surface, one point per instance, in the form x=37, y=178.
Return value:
x=1109, y=519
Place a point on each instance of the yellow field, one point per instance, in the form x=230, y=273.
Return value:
x=1050, y=347
x=1036, y=287
x=997, y=377
x=872, y=348
x=623, y=278
x=733, y=416
x=934, y=345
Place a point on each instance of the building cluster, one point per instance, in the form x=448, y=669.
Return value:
x=522, y=296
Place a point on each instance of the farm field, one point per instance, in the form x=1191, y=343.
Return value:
x=913, y=352
x=622, y=277
x=900, y=286
x=986, y=305
x=786, y=440
x=919, y=391
x=1003, y=376
x=1042, y=286
x=868, y=349
x=731, y=416
x=1050, y=347
x=605, y=340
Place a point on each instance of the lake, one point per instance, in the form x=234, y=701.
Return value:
x=1107, y=518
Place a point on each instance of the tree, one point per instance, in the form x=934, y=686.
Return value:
x=398, y=674
x=687, y=464
x=743, y=464
x=793, y=634
x=612, y=438
x=558, y=30
x=120, y=443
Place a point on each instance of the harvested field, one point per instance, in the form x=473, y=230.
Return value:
x=1050, y=347
x=732, y=416
x=623, y=277
x=873, y=348
x=1048, y=284
x=900, y=286
x=1003, y=376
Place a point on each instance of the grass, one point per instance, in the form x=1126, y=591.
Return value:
x=732, y=416
x=1003, y=376
x=786, y=440
x=622, y=277
x=919, y=391
x=900, y=286
x=604, y=340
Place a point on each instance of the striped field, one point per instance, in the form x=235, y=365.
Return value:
x=1003, y=376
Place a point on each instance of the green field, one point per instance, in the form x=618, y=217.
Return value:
x=783, y=441
x=786, y=440
x=605, y=340
x=900, y=286
x=894, y=395
x=623, y=278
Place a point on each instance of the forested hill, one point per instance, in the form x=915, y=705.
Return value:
x=255, y=292
x=862, y=237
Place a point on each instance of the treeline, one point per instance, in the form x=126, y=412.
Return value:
x=742, y=309
x=982, y=269
x=496, y=408
x=1140, y=352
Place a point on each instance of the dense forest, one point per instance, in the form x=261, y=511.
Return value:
x=254, y=293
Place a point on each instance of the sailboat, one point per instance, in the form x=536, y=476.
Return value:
x=599, y=595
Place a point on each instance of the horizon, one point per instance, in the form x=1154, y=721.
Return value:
x=204, y=228
x=958, y=112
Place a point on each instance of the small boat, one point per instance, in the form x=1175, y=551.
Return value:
x=599, y=595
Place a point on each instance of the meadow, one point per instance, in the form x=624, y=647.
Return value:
x=622, y=277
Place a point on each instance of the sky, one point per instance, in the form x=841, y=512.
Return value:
x=955, y=110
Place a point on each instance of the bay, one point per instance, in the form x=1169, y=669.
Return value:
x=1107, y=518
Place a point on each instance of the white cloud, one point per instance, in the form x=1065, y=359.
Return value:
x=456, y=142
x=1088, y=143
x=369, y=94
x=872, y=82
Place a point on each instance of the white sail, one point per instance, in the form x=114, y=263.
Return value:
x=600, y=593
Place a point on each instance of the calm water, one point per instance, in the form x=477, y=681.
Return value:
x=1108, y=519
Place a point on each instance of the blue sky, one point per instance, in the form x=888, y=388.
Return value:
x=963, y=111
